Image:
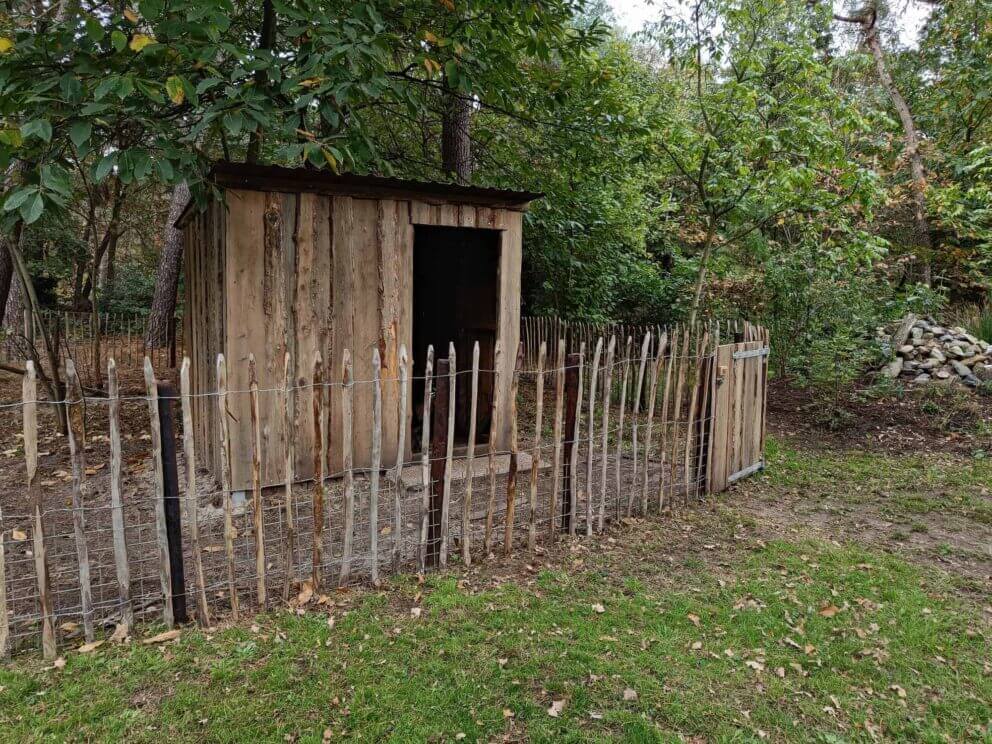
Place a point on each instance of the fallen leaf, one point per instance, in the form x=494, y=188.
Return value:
x=59, y=663
x=19, y=535
x=89, y=647
x=755, y=665
x=694, y=619
x=415, y=612
x=598, y=608
x=898, y=690
x=829, y=610
x=557, y=706
x=629, y=693
x=168, y=635
x=120, y=634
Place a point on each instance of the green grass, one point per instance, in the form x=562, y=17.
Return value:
x=491, y=662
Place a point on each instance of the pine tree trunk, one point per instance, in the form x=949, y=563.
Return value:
x=167, y=277
x=456, y=143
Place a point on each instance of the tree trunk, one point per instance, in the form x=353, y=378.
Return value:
x=456, y=144
x=6, y=275
x=167, y=277
x=704, y=259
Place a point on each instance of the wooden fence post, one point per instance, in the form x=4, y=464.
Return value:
x=123, y=568
x=225, y=474
x=535, y=464
x=319, y=468
x=604, y=449
x=29, y=412
x=75, y=413
x=652, y=399
x=469, y=459
x=170, y=500
x=493, y=434
x=376, y=465
x=258, y=515
x=398, y=489
x=161, y=532
x=438, y=460
x=511, y=477
x=591, y=451
x=623, y=410
x=289, y=418
x=4, y=618
x=573, y=394
x=634, y=420
x=556, y=436
x=192, y=507
x=347, y=432
x=448, y=455
x=425, y=459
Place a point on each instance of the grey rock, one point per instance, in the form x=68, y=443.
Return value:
x=955, y=351
x=938, y=355
x=921, y=378
x=907, y=350
x=893, y=368
x=983, y=372
x=960, y=369
x=943, y=373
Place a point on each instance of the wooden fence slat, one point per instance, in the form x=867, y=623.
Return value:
x=162, y=538
x=448, y=454
x=679, y=366
x=289, y=419
x=604, y=449
x=535, y=464
x=29, y=413
x=511, y=477
x=574, y=454
x=701, y=343
x=623, y=410
x=425, y=460
x=225, y=474
x=347, y=459
x=75, y=413
x=258, y=516
x=638, y=389
x=122, y=567
x=4, y=618
x=375, y=467
x=556, y=436
x=320, y=409
x=398, y=489
x=591, y=448
x=493, y=435
x=652, y=399
x=469, y=459
x=192, y=507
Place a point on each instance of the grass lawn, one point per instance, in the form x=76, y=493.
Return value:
x=674, y=629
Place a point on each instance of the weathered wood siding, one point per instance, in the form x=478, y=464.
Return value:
x=274, y=272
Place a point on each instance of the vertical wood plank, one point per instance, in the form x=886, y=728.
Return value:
x=680, y=373
x=448, y=454
x=470, y=458
x=192, y=507
x=573, y=505
x=258, y=516
x=319, y=468
x=556, y=436
x=604, y=448
x=347, y=464
x=4, y=618
x=162, y=539
x=75, y=413
x=649, y=428
x=591, y=447
x=425, y=459
x=398, y=489
x=122, y=567
x=638, y=389
x=511, y=477
x=535, y=464
x=29, y=413
x=494, y=429
x=701, y=343
x=289, y=421
x=623, y=410
x=666, y=460
x=375, y=466
x=225, y=474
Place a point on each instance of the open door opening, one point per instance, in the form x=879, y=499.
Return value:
x=456, y=298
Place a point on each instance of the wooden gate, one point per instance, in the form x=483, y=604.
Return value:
x=737, y=431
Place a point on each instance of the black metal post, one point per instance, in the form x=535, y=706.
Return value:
x=173, y=514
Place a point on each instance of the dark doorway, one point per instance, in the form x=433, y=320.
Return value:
x=456, y=299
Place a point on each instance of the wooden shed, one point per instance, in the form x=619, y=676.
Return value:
x=304, y=261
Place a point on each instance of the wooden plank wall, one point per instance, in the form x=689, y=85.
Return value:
x=308, y=272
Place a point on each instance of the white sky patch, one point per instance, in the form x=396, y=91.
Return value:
x=633, y=14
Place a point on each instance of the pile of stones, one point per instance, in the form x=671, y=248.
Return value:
x=923, y=351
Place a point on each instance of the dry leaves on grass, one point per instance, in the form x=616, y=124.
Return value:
x=557, y=706
x=169, y=635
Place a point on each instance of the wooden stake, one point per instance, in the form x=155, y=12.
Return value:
x=493, y=434
x=161, y=534
x=398, y=490
x=448, y=454
x=289, y=417
x=679, y=387
x=347, y=408
x=687, y=457
x=663, y=447
x=469, y=459
x=556, y=436
x=535, y=464
x=652, y=399
x=4, y=619
x=77, y=438
x=319, y=467
x=634, y=421
x=192, y=507
x=425, y=459
x=225, y=474
x=123, y=568
x=604, y=449
x=258, y=517
x=591, y=451
x=376, y=465
x=511, y=478
x=574, y=455
x=623, y=411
